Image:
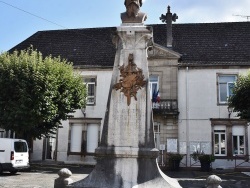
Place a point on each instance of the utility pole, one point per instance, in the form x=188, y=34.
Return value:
x=243, y=16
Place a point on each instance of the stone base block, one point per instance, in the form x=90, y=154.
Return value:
x=126, y=173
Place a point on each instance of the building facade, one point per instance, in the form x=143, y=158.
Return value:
x=189, y=80
x=207, y=124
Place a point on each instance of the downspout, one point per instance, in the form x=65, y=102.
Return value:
x=187, y=115
x=56, y=148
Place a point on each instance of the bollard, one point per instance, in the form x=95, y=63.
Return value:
x=214, y=181
x=64, y=178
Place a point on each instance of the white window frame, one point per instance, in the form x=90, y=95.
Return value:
x=232, y=127
x=238, y=131
x=151, y=84
x=220, y=141
x=91, y=99
x=84, y=140
x=228, y=89
x=157, y=134
x=238, y=145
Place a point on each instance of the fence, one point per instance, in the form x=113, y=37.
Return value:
x=241, y=161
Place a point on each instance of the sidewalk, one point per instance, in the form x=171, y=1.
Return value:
x=187, y=179
x=56, y=166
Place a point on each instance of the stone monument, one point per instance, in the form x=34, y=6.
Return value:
x=127, y=155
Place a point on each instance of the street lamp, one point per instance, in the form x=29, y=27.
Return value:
x=83, y=111
x=230, y=110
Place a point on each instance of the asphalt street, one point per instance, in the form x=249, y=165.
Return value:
x=43, y=175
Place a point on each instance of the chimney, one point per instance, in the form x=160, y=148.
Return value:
x=168, y=18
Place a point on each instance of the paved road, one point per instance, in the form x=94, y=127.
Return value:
x=197, y=179
x=43, y=176
x=32, y=180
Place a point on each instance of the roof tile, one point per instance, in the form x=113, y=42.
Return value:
x=209, y=43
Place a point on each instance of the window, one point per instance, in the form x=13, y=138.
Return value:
x=157, y=134
x=238, y=145
x=20, y=147
x=225, y=86
x=220, y=142
x=229, y=137
x=154, y=84
x=84, y=136
x=154, y=90
x=238, y=140
x=91, y=90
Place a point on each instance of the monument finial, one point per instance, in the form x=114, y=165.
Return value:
x=168, y=18
x=133, y=14
x=169, y=9
x=163, y=17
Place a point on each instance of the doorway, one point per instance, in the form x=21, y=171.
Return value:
x=49, y=144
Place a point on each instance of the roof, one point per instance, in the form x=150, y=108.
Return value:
x=199, y=44
x=213, y=43
x=90, y=47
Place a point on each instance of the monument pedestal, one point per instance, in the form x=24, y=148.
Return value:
x=127, y=155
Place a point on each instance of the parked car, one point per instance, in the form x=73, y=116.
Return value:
x=14, y=155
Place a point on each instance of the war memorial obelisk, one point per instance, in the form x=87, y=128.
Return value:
x=126, y=157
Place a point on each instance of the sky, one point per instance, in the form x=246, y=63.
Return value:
x=19, y=19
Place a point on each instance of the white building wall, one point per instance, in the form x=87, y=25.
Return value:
x=36, y=154
x=197, y=102
x=62, y=147
x=103, y=84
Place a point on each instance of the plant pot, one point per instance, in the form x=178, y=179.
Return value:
x=205, y=166
x=174, y=165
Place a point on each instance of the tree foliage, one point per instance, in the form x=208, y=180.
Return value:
x=37, y=92
x=240, y=100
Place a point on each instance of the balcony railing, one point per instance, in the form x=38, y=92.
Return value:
x=166, y=107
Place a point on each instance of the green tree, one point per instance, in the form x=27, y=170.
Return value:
x=37, y=92
x=240, y=100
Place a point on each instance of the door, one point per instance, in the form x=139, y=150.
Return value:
x=20, y=155
x=49, y=148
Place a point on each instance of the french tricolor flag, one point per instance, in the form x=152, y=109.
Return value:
x=156, y=96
